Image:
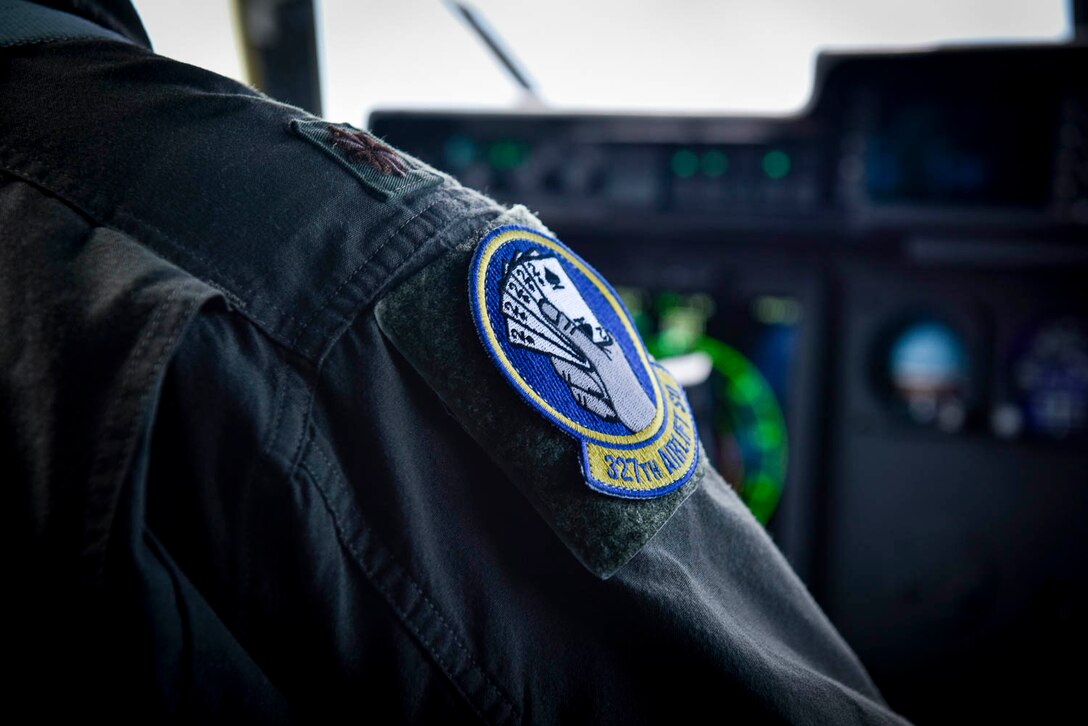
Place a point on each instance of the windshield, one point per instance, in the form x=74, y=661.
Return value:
x=665, y=56
x=655, y=55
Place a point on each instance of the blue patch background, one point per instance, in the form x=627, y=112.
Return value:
x=536, y=368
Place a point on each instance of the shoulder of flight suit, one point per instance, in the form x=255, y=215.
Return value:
x=212, y=177
x=312, y=509
x=165, y=206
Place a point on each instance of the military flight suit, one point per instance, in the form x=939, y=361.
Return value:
x=260, y=466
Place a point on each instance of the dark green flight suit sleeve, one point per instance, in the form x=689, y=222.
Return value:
x=699, y=603
x=317, y=500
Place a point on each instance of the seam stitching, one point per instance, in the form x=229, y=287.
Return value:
x=361, y=560
x=332, y=296
x=183, y=313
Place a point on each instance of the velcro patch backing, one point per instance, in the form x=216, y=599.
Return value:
x=602, y=531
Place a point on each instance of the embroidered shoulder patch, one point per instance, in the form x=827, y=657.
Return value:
x=384, y=171
x=563, y=339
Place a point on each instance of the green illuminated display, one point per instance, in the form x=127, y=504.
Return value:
x=746, y=411
x=752, y=415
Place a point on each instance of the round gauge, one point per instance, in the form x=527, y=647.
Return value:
x=750, y=430
x=741, y=421
x=927, y=372
x=1049, y=377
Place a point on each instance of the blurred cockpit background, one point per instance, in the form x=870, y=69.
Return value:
x=856, y=230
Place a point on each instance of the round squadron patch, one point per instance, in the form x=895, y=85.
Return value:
x=562, y=337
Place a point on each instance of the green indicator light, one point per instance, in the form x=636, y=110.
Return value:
x=507, y=154
x=776, y=164
x=460, y=151
x=685, y=163
x=715, y=163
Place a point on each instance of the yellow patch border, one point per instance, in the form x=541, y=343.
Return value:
x=639, y=470
x=480, y=300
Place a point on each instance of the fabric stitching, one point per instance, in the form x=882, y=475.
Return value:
x=97, y=547
x=99, y=465
x=192, y=253
x=390, y=599
x=130, y=224
x=502, y=695
x=300, y=442
x=332, y=296
x=361, y=558
x=489, y=215
x=281, y=404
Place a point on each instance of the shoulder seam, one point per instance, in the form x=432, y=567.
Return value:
x=135, y=229
x=394, y=570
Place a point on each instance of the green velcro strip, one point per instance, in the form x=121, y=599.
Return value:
x=384, y=171
x=602, y=532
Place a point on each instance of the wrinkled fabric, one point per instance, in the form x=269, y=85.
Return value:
x=236, y=498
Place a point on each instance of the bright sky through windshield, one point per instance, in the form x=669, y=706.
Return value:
x=751, y=56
